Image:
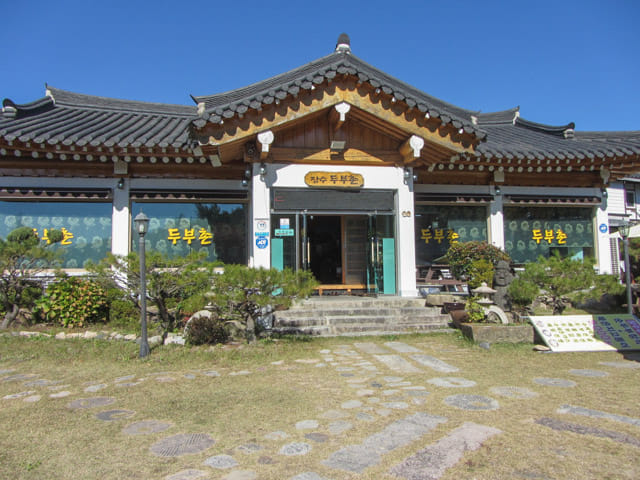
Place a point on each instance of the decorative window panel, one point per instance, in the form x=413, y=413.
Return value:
x=177, y=229
x=86, y=226
x=531, y=232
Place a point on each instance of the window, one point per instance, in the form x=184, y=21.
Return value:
x=437, y=226
x=86, y=226
x=176, y=229
x=531, y=232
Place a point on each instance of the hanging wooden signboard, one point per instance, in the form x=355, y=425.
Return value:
x=334, y=179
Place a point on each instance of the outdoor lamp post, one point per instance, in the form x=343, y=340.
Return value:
x=142, y=225
x=624, y=230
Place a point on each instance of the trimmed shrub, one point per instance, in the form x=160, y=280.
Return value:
x=73, y=302
x=205, y=328
x=480, y=270
x=461, y=256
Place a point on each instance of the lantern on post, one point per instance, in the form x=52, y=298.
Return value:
x=141, y=223
x=624, y=230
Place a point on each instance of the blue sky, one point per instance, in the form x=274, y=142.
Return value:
x=560, y=61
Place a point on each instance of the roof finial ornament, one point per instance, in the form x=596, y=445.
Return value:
x=344, y=44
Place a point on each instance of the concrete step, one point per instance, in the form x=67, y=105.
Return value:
x=333, y=316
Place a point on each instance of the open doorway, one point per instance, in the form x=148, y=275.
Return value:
x=324, y=233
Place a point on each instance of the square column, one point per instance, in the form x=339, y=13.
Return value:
x=259, y=243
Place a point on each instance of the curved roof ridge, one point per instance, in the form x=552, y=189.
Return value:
x=541, y=127
x=12, y=109
x=73, y=99
x=223, y=98
x=508, y=116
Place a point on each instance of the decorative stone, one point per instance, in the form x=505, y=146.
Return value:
x=13, y=396
x=125, y=378
x=339, y=426
x=241, y=475
x=433, y=461
x=587, y=430
x=588, y=373
x=90, y=335
x=370, y=348
x=452, y=382
x=154, y=341
x=264, y=460
x=555, y=382
x=334, y=414
x=472, y=402
x=357, y=458
x=316, y=437
x=276, y=435
x=174, y=339
x=19, y=377
x=83, y=403
x=182, y=444
x=308, y=476
x=365, y=392
x=113, y=415
x=212, y=373
x=241, y=372
x=294, y=449
x=40, y=383
x=514, y=392
x=249, y=448
x=401, y=347
x=396, y=405
x=95, y=388
x=351, y=404
x=624, y=364
x=189, y=474
x=62, y=394
x=130, y=337
x=33, y=399
x=60, y=336
x=146, y=427
x=307, y=360
x=221, y=462
x=587, y=412
x=307, y=425
x=397, y=363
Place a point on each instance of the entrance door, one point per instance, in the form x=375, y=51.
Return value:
x=324, y=238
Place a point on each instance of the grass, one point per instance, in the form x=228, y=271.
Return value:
x=46, y=439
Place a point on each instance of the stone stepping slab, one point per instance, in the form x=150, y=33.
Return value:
x=561, y=426
x=357, y=458
x=432, y=462
x=370, y=348
x=452, y=382
x=587, y=412
x=182, y=444
x=555, y=382
x=472, y=402
x=189, y=474
x=82, y=403
x=514, y=392
x=113, y=415
x=434, y=363
x=401, y=347
x=308, y=476
x=221, y=462
x=397, y=363
x=146, y=427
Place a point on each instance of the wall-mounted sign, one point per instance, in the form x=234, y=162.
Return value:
x=284, y=232
x=334, y=179
x=262, y=242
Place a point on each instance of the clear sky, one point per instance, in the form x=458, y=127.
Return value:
x=561, y=61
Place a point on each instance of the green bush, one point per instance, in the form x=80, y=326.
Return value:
x=205, y=330
x=564, y=281
x=480, y=271
x=73, y=302
x=461, y=256
x=474, y=310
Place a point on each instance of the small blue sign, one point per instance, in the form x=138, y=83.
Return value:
x=604, y=228
x=262, y=242
x=262, y=234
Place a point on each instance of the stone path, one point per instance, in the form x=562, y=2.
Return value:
x=376, y=374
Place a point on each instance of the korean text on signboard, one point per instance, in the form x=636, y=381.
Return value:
x=334, y=179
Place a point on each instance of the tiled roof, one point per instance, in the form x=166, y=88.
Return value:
x=511, y=136
x=66, y=118
x=70, y=118
x=341, y=62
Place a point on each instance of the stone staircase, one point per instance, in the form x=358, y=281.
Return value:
x=352, y=316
